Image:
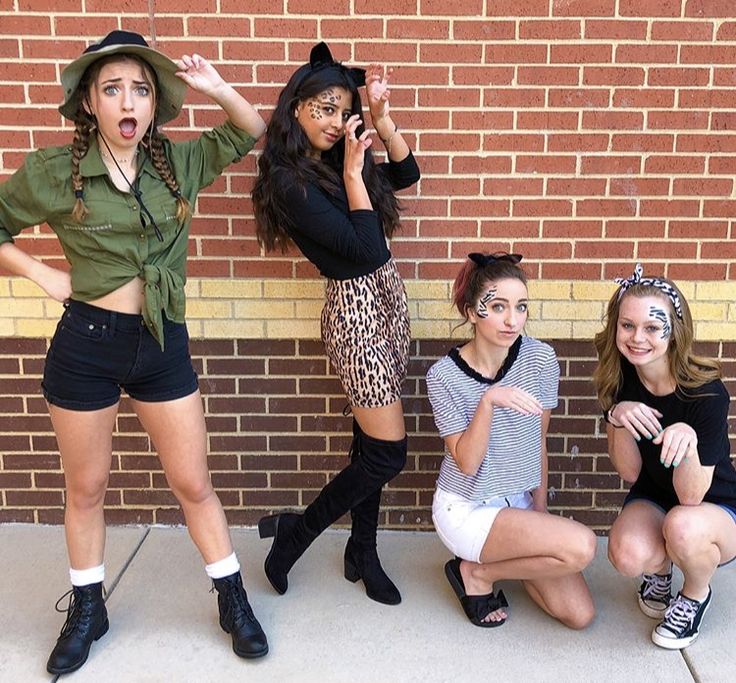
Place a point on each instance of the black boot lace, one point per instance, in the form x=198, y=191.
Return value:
x=237, y=604
x=79, y=611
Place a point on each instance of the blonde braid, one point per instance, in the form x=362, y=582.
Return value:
x=161, y=164
x=80, y=145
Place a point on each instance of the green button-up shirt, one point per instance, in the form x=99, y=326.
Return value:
x=111, y=246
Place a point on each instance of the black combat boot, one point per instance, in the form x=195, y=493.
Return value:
x=86, y=621
x=237, y=618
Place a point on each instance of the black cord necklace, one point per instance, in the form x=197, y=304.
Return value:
x=135, y=191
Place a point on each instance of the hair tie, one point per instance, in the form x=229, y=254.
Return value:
x=484, y=260
x=79, y=194
x=638, y=279
x=177, y=194
x=320, y=58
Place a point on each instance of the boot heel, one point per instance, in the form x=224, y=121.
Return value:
x=103, y=629
x=267, y=526
x=351, y=571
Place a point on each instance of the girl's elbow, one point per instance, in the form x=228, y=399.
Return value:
x=467, y=469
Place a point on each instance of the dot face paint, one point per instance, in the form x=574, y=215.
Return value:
x=481, y=309
x=660, y=315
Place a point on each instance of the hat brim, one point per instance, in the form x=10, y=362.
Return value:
x=171, y=89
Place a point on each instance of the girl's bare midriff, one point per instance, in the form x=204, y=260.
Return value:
x=125, y=299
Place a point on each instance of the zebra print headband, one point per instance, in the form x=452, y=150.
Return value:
x=637, y=279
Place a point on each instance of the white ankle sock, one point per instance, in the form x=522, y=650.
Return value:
x=84, y=577
x=224, y=567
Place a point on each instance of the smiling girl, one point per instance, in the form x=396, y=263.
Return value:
x=666, y=411
x=119, y=200
x=492, y=398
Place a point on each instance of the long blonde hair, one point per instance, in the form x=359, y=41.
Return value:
x=85, y=124
x=688, y=370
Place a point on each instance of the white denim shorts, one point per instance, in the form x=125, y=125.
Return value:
x=463, y=525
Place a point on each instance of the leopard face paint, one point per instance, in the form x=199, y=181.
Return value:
x=481, y=308
x=315, y=111
x=661, y=316
x=316, y=104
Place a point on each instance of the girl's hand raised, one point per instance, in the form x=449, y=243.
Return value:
x=199, y=74
x=637, y=418
x=377, y=91
x=355, y=147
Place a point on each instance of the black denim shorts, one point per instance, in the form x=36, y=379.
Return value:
x=95, y=352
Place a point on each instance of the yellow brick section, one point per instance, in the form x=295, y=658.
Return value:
x=278, y=309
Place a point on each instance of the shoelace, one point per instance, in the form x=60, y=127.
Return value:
x=680, y=613
x=657, y=587
x=238, y=603
x=75, y=610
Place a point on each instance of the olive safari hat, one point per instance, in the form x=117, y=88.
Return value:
x=170, y=88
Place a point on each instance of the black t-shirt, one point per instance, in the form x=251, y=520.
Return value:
x=343, y=244
x=705, y=409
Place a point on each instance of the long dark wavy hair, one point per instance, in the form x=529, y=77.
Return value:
x=285, y=159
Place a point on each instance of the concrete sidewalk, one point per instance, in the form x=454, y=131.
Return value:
x=164, y=627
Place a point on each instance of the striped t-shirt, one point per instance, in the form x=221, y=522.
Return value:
x=513, y=458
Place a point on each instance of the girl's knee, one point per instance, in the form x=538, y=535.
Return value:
x=581, y=551
x=627, y=556
x=86, y=495
x=684, y=531
x=580, y=618
x=588, y=548
x=193, y=492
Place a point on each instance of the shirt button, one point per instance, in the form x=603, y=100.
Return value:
x=142, y=236
x=134, y=207
x=91, y=327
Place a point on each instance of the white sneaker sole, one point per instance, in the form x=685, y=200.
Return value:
x=672, y=643
x=651, y=612
x=676, y=643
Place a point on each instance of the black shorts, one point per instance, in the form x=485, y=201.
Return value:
x=95, y=352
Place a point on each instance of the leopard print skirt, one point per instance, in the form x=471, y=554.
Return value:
x=365, y=329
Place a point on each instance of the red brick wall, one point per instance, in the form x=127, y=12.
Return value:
x=585, y=134
x=276, y=434
x=582, y=133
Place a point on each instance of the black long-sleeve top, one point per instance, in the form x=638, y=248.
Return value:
x=343, y=244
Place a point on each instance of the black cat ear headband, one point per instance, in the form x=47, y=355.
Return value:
x=638, y=279
x=321, y=58
x=483, y=260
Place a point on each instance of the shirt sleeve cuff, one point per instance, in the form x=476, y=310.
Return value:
x=5, y=236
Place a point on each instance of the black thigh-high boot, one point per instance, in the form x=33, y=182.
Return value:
x=86, y=621
x=293, y=533
x=361, y=556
